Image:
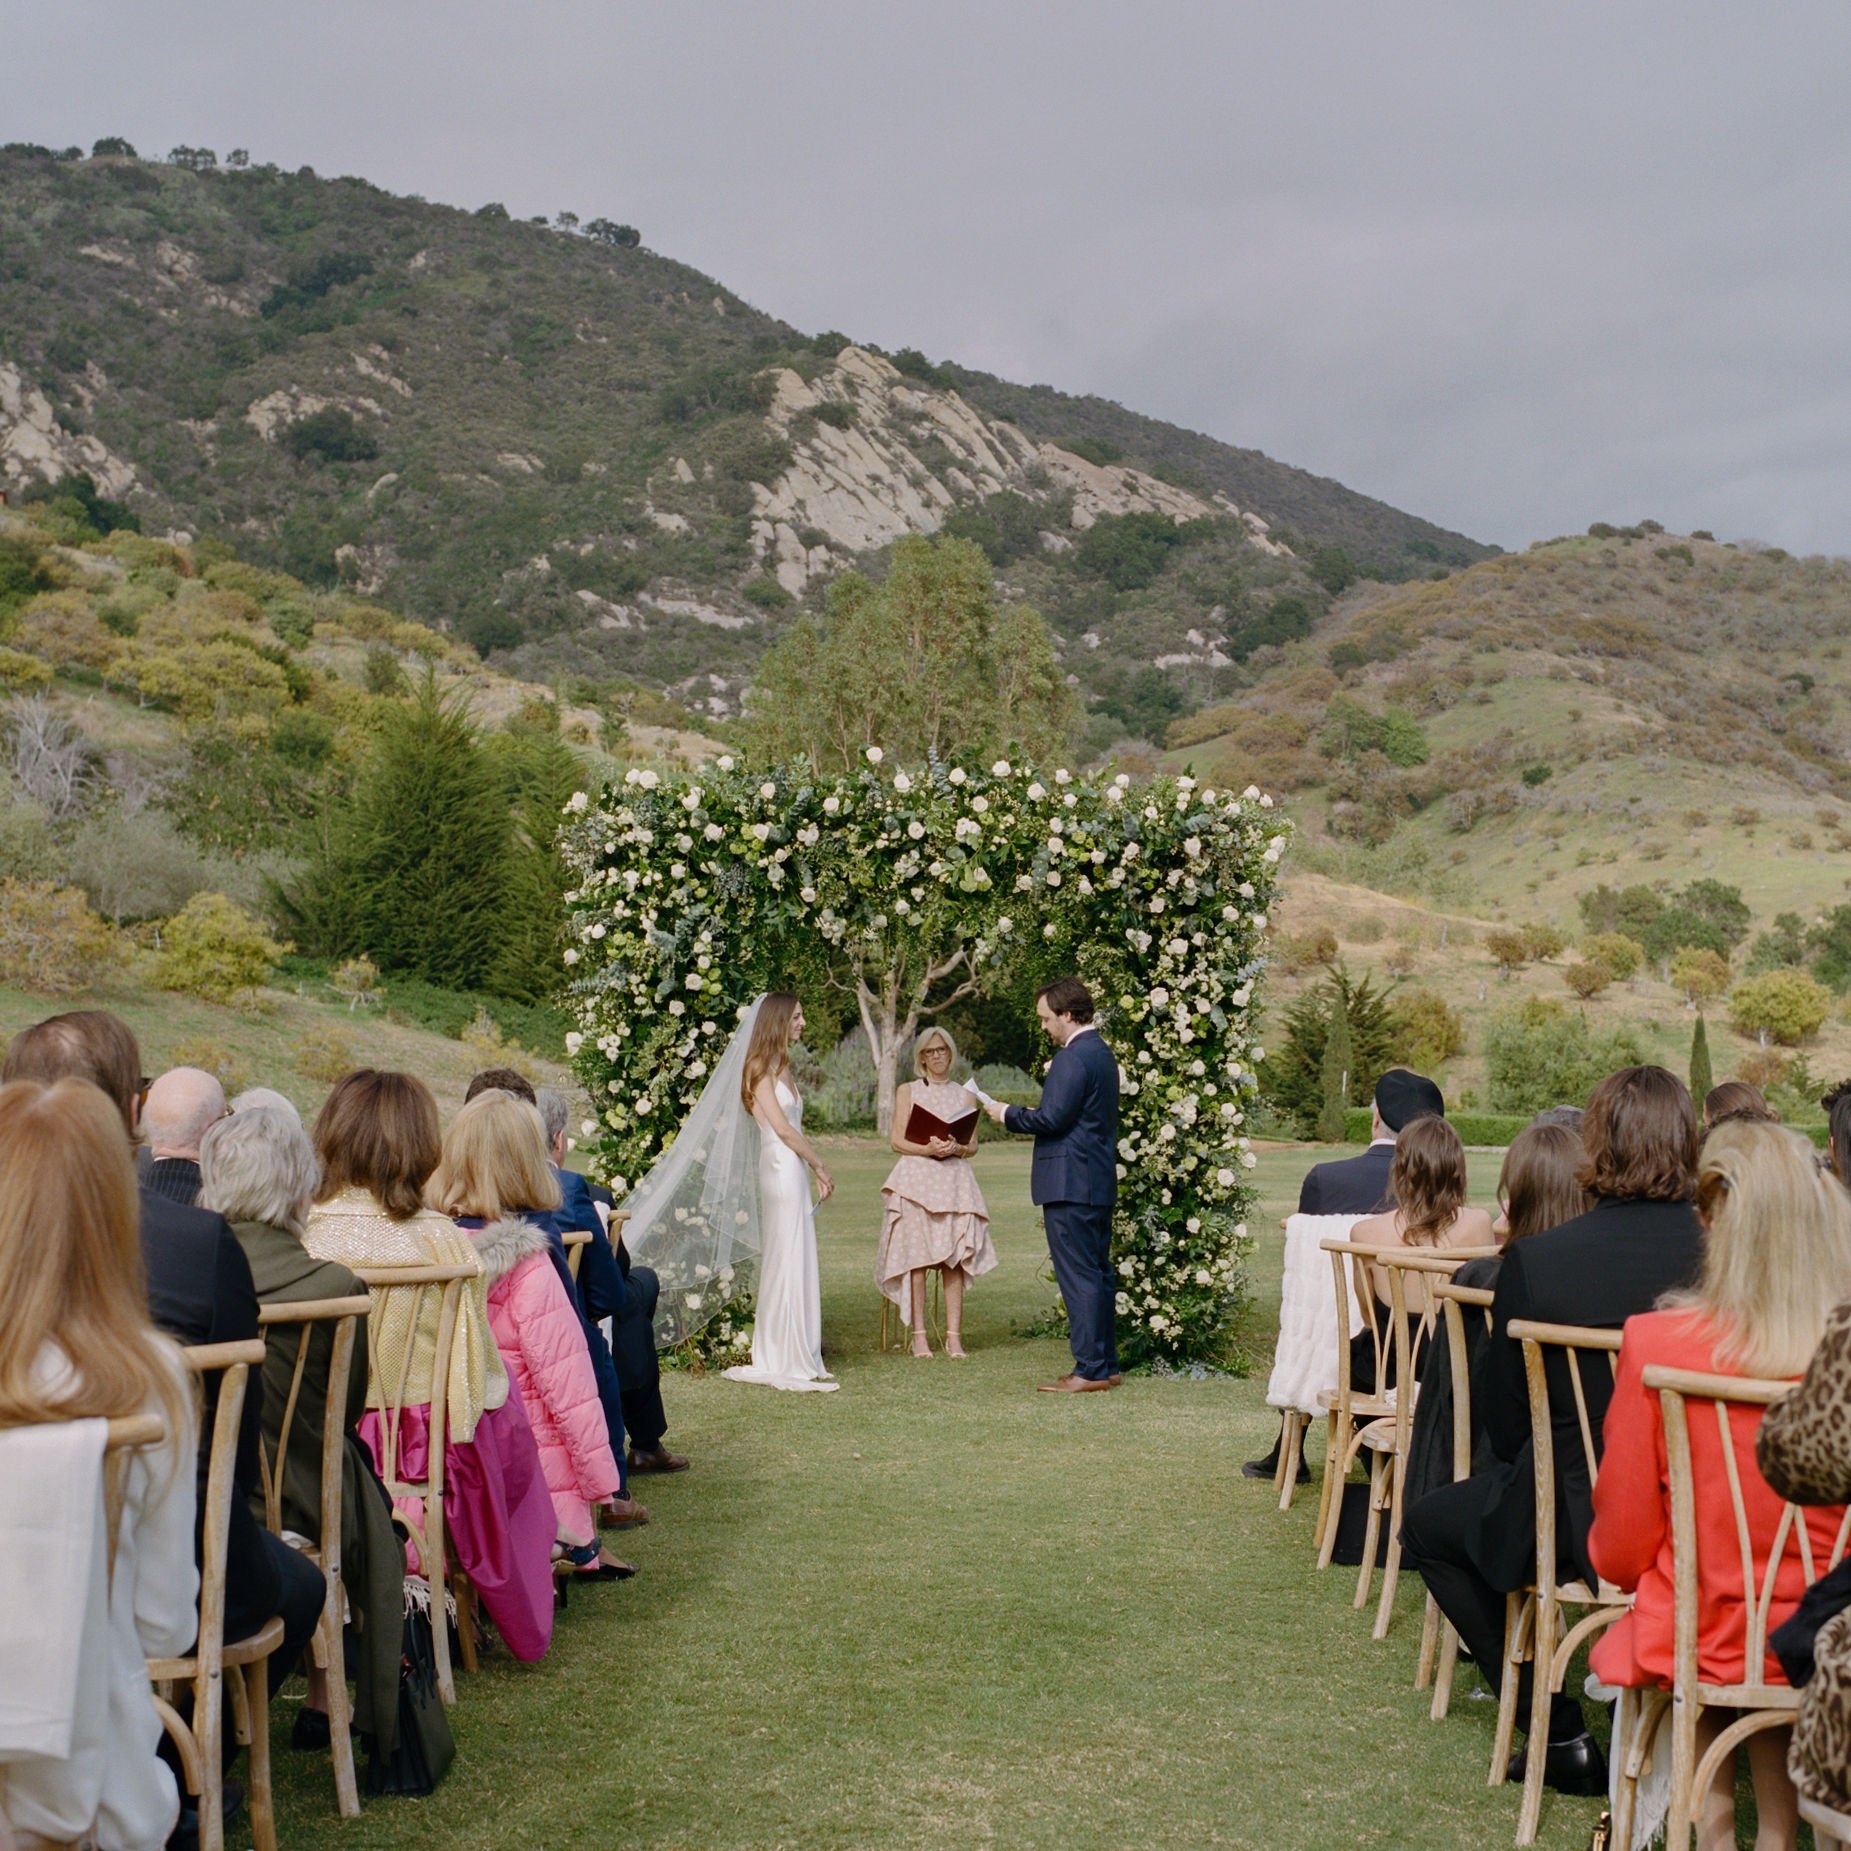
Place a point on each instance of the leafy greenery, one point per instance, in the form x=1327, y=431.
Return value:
x=1292, y=1075
x=212, y=948
x=1539, y=1053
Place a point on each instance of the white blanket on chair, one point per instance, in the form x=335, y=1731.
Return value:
x=1305, y=1363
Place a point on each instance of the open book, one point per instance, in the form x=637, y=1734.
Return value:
x=923, y=1126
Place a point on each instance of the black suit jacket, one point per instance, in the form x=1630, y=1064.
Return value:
x=1075, y=1127
x=200, y=1291
x=1599, y=1269
x=1350, y=1185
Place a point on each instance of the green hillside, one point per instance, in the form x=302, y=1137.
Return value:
x=583, y=457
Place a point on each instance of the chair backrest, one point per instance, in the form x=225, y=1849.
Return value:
x=1399, y=1338
x=234, y=1363
x=575, y=1241
x=1458, y=1302
x=1679, y=1391
x=1349, y=1272
x=307, y=1315
x=392, y=1392
x=1582, y=1347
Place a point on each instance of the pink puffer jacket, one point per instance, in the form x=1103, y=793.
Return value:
x=543, y=1344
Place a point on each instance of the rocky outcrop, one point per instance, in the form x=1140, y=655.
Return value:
x=35, y=447
x=177, y=281
x=896, y=456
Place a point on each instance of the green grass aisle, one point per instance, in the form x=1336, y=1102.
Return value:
x=937, y=1608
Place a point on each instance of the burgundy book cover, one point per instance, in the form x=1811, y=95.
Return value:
x=923, y=1126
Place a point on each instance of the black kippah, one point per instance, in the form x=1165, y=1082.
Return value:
x=1402, y=1096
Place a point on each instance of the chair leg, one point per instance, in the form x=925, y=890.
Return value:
x=1684, y=1802
x=208, y=1732
x=1330, y=1501
x=1429, y=1645
x=1542, y=1688
x=1391, y=1575
x=1291, y=1451
x=464, y=1590
x=329, y=1656
x=1517, y=1621
x=1372, y=1531
x=432, y=1553
x=256, y=1681
x=1443, y=1677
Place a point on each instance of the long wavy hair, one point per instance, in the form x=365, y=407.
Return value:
x=71, y=1268
x=767, y=1053
x=495, y=1161
x=1540, y=1183
x=1428, y=1180
x=1776, y=1248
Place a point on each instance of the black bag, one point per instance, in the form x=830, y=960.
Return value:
x=1792, y=1642
x=425, y=1745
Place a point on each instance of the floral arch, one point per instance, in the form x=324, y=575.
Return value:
x=696, y=891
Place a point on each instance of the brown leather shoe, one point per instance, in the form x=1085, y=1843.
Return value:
x=656, y=1459
x=622, y=1514
x=1074, y=1385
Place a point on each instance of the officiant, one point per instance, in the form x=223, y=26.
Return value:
x=935, y=1216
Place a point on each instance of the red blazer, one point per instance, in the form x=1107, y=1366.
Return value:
x=1630, y=1542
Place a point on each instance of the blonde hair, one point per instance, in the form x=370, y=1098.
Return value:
x=930, y=1035
x=1777, y=1247
x=766, y=1052
x=71, y=1266
x=495, y=1161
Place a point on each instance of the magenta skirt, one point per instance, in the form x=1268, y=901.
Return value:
x=497, y=1515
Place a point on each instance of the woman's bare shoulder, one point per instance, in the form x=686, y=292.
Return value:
x=1471, y=1228
x=1382, y=1230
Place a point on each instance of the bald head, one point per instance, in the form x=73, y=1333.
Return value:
x=182, y=1103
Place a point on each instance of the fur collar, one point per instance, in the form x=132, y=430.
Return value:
x=504, y=1244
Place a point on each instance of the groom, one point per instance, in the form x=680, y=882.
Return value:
x=1075, y=1177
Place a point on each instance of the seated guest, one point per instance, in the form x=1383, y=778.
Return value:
x=1804, y=1450
x=254, y=1096
x=1776, y=1258
x=1427, y=1181
x=1736, y=1099
x=1475, y=1541
x=614, y=1288
x=180, y=1106
x=1359, y=1186
x=376, y=1138
x=78, y=1731
x=599, y=1291
x=199, y=1291
x=259, y=1172
x=1837, y=1108
x=1539, y=1187
x=493, y=1170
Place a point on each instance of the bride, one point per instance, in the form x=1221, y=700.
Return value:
x=733, y=1183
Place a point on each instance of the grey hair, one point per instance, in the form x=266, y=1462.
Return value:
x=555, y=1111
x=926, y=1038
x=257, y=1098
x=258, y=1166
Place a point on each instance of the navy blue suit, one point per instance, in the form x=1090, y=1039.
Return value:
x=1074, y=1182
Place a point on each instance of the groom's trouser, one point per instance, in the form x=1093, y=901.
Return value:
x=1080, y=1245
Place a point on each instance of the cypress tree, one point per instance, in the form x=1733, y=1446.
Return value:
x=417, y=868
x=1335, y=1073
x=1701, y=1077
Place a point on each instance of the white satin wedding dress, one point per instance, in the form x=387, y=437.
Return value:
x=787, y=1333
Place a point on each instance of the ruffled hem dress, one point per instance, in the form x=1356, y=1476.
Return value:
x=935, y=1211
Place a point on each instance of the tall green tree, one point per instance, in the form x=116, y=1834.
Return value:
x=538, y=772
x=923, y=661
x=1702, y=1077
x=1335, y=1074
x=418, y=868
x=1292, y=1075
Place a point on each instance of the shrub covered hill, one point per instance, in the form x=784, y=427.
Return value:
x=586, y=459
x=1628, y=735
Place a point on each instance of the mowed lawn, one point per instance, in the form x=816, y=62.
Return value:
x=938, y=1608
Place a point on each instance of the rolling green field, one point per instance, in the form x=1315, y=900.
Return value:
x=938, y=1608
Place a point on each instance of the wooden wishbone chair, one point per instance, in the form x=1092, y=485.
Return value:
x=1412, y=1316
x=1348, y=1412
x=1533, y=1623
x=216, y=1665
x=446, y=1284
x=1457, y=1304
x=1831, y=1830
x=1762, y=1705
x=575, y=1241
x=324, y=1549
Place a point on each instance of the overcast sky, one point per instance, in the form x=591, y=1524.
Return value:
x=1514, y=268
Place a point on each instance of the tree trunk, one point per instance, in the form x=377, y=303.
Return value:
x=887, y=1033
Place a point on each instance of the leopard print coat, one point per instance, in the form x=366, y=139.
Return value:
x=1804, y=1450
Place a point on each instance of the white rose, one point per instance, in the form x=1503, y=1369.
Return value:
x=915, y=829
x=1053, y=877
x=1063, y=777
x=693, y=1301
x=1113, y=794
x=713, y=832
x=599, y=929
x=677, y=1007
x=768, y=790
x=956, y=774
x=568, y=956
x=578, y=803
x=807, y=895
x=1037, y=791
x=1225, y=1178
x=574, y=1041
x=875, y=755
x=691, y=982
x=902, y=783
x=1005, y=924
x=1000, y=769
x=980, y=804
x=831, y=805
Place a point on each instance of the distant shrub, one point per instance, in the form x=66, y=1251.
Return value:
x=1367, y=929
x=324, y=1054
x=1509, y=948
x=1431, y=1029
x=1678, y=552
x=1587, y=978
x=1535, y=775
x=1345, y=656
x=21, y=673
x=1621, y=955
x=491, y=1048
x=1543, y=942
x=766, y=593
x=1602, y=530
x=331, y=435
x=1127, y=551
x=213, y=949
x=836, y=412
x=226, y=1065
x=1542, y=1053
x=1297, y=951
x=1786, y=1006
x=357, y=979
x=51, y=942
